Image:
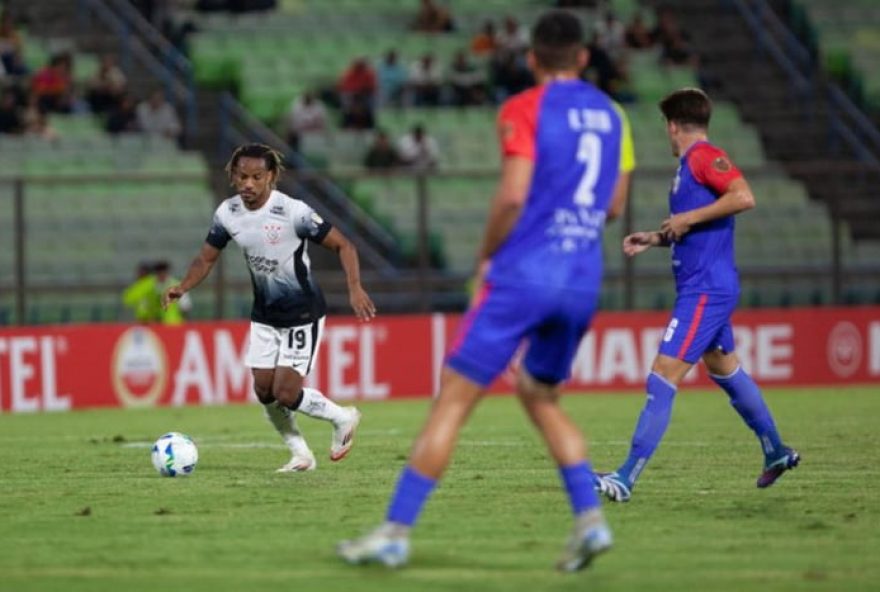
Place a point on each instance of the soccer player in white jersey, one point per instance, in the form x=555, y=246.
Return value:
x=287, y=317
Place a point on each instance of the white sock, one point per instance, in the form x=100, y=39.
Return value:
x=316, y=405
x=284, y=422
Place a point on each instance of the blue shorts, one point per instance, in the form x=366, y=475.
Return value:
x=552, y=321
x=699, y=323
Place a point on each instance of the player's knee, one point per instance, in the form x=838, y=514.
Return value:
x=531, y=389
x=288, y=397
x=264, y=394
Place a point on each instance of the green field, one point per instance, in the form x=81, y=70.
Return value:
x=82, y=509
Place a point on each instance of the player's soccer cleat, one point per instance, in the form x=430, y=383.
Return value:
x=613, y=486
x=343, y=435
x=299, y=462
x=590, y=537
x=775, y=469
x=385, y=545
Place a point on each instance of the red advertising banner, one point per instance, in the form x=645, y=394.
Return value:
x=56, y=368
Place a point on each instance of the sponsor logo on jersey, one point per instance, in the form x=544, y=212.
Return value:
x=234, y=208
x=277, y=211
x=262, y=265
x=140, y=368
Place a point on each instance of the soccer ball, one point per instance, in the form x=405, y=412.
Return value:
x=175, y=454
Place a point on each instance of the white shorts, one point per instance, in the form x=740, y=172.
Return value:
x=290, y=347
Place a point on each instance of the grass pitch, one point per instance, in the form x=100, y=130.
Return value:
x=81, y=508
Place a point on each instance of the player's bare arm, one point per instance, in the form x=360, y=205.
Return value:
x=198, y=270
x=738, y=198
x=639, y=242
x=360, y=301
x=618, y=200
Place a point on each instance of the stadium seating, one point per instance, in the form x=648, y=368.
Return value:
x=87, y=232
x=849, y=40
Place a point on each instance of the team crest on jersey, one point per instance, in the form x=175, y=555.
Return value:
x=273, y=233
x=721, y=164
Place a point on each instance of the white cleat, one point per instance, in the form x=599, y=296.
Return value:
x=383, y=545
x=590, y=537
x=343, y=435
x=298, y=463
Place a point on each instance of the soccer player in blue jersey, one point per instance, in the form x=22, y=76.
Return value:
x=706, y=194
x=567, y=154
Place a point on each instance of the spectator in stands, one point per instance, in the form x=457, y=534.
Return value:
x=123, y=118
x=417, y=149
x=37, y=126
x=359, y=83
x=10, y=117
x=358, y=115
x=637, y=34
x=467, y=81
x=485, y=42
x=433, y=18
x=425, y=80
x=307, y=116
x=674, y=43
x=513, y=37
x=611, y=35
x=381, y=155
x=601, y=69
x=509, y=76
x=392, y=79
x=10, y=43
x=53, y=84
x=157, y=116
x=107, y=86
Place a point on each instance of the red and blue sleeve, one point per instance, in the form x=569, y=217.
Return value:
x=518, y=124
x=711, y=167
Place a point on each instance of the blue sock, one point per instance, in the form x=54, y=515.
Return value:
x=745, y=396
x=410, y=495
x=578, y=480
x=651, y=426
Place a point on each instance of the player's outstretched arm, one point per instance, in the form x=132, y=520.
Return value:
x=198, y=270
x=360, y=301
x=738, y=198
x=639, y=242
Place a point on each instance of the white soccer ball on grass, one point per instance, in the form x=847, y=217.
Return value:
x=175, y=454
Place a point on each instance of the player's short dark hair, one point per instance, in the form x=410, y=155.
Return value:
x=557, y=38
x=687, y=106
x=271, y=158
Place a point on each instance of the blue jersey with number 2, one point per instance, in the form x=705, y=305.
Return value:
x=579, y=142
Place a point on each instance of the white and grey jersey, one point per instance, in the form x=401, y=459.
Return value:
x=273, y=239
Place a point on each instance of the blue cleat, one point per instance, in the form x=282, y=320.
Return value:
x=385, y=544
x=590, y=538
x=613, y=486
x=775, y=469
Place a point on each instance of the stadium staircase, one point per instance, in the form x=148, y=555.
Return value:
x=802, y=117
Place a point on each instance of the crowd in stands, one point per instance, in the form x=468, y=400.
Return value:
x=485, y=71
x=28, y=98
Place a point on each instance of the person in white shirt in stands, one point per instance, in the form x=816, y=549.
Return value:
x=307, y=116
x=417, y=149
x=157, y=116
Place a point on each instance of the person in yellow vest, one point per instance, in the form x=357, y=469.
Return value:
x=144, y=296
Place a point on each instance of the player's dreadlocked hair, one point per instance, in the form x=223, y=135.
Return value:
x=557, y=38
x=271, y=157
x=687, y=106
